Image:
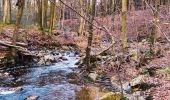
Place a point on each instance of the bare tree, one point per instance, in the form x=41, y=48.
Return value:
x=90, y=37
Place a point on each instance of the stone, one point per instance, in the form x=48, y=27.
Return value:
x=134, y=54
x=65, y=47
x=41, y=62
x=6, y=74
x=17, y=89
x=138, y=80
x=49, y=58
x=93, y=76
x=127, y=88
x=63, y=58
x=111, y=96
x=32, y=98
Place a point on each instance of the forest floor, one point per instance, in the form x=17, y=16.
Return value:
x=148, y=76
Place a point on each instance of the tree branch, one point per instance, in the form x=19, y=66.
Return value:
x=100, y=28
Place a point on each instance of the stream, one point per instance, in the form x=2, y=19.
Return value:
x=45, y=82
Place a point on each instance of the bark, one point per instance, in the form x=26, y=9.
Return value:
x=6, y=11
x=114, y=6
x=18, y=20
x=169, y=6
x=109, y=7
x=103, y=8
x=62, y=15
x=44, y=13
x=9, y=44
x=28, y=7
x=90, y=37
x=124, y=39
x=39, y=4
x=155, y=32
x=81, y=28
x=52, y=7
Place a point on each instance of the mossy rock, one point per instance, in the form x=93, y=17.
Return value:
x=111, y=96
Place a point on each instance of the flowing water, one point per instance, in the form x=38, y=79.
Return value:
x=46, y=82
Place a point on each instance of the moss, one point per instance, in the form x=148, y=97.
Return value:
x=111, y=96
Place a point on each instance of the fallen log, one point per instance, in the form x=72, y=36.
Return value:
x=17, y=43
x=21, y=49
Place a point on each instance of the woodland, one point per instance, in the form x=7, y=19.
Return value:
x=84, y=49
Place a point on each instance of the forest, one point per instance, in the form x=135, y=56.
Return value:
x=84, y=49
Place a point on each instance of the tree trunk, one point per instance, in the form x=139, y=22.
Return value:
x=39, y=4
x=62, y=15
x=7, y=11
x=81, y=28
x=124, y=39
x=52, y=7
x=90, y=37
x=114, y=8
x=155, y=34
x=169, y=7
x=18, y=20
x=44, y=13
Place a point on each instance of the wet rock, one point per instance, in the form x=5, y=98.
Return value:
x=63, y=58
x=5, y=91
x=93, y=76
x=32, y=98
x=6, y=74
x=17, y=89
x=49, y=58
x=8, y=79
x=111, y=96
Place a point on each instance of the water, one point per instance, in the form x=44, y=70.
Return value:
x=47, y=82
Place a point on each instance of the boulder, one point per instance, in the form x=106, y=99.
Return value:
x=138, y=80
x=111, y=96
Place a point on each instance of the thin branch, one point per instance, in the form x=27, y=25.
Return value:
x=154, y=10
x=77, y=13
x=100, y=28
x=162, y=32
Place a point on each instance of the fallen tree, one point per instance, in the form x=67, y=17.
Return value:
x=21, y=47
x=8, y=44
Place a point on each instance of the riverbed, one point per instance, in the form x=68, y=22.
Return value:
x=48, y=82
